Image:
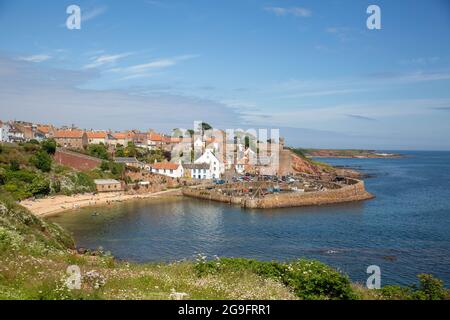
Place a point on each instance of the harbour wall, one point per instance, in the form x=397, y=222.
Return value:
x=351, y=192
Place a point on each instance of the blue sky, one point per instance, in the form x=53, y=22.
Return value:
x=310, y=68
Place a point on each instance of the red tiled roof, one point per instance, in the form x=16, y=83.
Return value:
x=165, y=166
x=119, y=135
x=96, y=135
x=44, y=129
x=69, y=134
x=154, y=137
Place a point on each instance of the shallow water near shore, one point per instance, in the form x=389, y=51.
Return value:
x=405, y=230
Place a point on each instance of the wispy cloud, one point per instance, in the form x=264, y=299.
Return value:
x=359, y=117
x=342, y=33
x=144, y=69
x=442, y=108
x=106, y=60
x=420, y=61
x=295, y=11
x=417, y=76
x=93, y=13
x=35, y=58
x=60, y=94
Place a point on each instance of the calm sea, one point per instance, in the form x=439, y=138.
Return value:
x=405, y=230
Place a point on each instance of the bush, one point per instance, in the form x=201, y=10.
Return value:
x=308, y=279
x=42, y=161
x=98, y=151
x=40, y=186
x=430, y=288
x=104, y=166
x=49, y=146
x=315, y=280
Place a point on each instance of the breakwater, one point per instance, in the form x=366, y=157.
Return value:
x=353, y=190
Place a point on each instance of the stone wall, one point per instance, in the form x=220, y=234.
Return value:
x=347, y=193
x=76, y=161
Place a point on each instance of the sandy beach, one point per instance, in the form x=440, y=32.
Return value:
x=57, y=204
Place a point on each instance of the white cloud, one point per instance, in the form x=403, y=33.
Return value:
x=91, y=14
x=106, y=59
x=36, y=58
x=296, y=11
x=143, y=69
x=62, y=100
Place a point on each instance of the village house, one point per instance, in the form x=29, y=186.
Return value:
x=199, y=171
x=173, y=170
x=108, y=185
x=216, y=166
x=97, y=137
x=4, y=131
x=139, y=139
x=154, y=141
x=15, y=134
x=47, y=130
x=119, y=138
x=72, y=139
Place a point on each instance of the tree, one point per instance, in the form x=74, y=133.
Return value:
x=104, y=166
x=42, y=161
x=98, y=151
x=247, y=141
x=49, y=146
x=206, y=126
x=131, y=150
x=120, y=152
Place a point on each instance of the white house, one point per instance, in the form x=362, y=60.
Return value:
x=217, y=167
x=4, y=132
x=16, y=135
x=200, y=171
x=173, y=170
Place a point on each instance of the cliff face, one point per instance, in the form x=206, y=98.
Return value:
x=302, y=165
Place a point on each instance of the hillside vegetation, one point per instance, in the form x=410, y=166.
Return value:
x=28, y=170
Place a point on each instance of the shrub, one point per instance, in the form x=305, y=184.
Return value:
x=49, y=146
x=104, y=166
x=308, y=279
x=98, y=151
x=40, y=186
x=42, y=161
x=431, y=288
